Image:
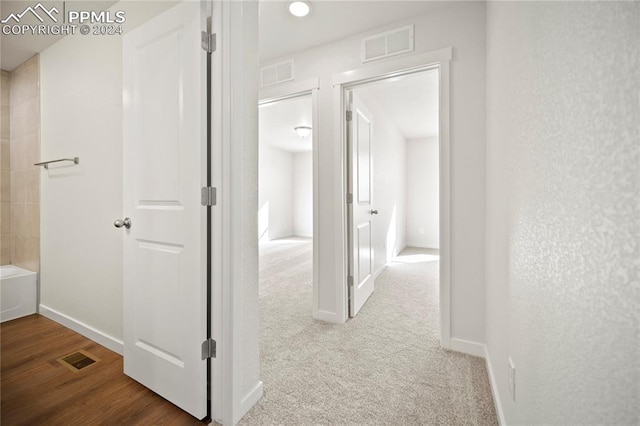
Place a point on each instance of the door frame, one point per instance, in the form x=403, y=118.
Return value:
x=234, y=129
x=294, y=90
x=342, y=82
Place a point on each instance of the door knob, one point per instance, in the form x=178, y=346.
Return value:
x=373, y=211
x=120, y=223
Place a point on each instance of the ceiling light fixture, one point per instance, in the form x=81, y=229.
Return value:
x=299, y=8
x=303, y=131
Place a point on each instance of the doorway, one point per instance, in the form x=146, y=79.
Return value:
x=344, y=84
x=392, y=177
x=288, y=135
x=285, y=204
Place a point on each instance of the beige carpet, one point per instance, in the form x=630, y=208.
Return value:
x=384, y=367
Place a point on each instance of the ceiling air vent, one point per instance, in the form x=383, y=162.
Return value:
x=277, y=73
x=388, y=43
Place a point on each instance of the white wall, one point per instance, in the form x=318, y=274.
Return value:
x=563, y=210
x=275, y=212
x=285, y=205
x=81, y=115
x=303, y=194
x=235, y=77
x=462, y=26
x=388, y=184
x=423, y=195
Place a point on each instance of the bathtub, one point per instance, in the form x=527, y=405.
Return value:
x=18, y=292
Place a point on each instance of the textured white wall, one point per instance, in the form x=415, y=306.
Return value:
x=563, y=210
x=462, y=26
x=423, y=194
x=275, y=205
x=303, y=194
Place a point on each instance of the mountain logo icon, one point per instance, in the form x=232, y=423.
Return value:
x=38, y=11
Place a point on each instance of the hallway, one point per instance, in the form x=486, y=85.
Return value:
x=383, y=367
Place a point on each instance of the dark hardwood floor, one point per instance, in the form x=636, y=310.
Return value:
x=36, y=389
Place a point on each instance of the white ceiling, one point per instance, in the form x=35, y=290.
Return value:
x=277, y=122
x=282, y=34
x=410, y=102
x=18, y=48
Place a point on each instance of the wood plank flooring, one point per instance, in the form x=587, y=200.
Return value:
x=36, y=389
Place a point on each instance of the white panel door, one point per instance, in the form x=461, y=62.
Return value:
x=360, y=211
x=165, y=248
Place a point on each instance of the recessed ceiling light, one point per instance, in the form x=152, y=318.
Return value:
x=299, y=8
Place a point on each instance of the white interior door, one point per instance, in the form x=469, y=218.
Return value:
x=165, y=247
x=360, y=209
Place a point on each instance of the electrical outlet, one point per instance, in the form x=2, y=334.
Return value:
x=512, y=380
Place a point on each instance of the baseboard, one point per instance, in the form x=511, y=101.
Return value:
x=379, y=271
x=494, y=389
x=467, y=347
x=249, y=401
x=279, y=236
x=87, y=331
x=327, y=316
x=435, y=246
x=302, y=235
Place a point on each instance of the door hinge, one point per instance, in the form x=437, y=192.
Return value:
x=208, y=349
x=350, y=280
x=349, y=115
x=208, y=196
x=349, y=198
x=209, y=42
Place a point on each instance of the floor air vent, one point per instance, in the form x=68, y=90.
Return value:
x=78, y=360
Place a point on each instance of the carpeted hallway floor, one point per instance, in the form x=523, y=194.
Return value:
x=384, y=367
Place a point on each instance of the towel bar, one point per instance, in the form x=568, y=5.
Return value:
x=76, y=160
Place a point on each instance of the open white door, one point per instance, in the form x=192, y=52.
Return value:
x=360, y=211
x=165, y=304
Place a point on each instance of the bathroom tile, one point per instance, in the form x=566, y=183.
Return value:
x=5, y=186
x=5, y=219
x=17, y=221
x=16, y=88
x=4, y=123
x=25, y=118
x=17, y=118
x=25, y=186
x=24, y=81
x=15, y=153
x=25, y=252
x=25, y=151
x=25, y=219
x=33, y=116
x=4, y=88
x=5, y=251
x=5, y=155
